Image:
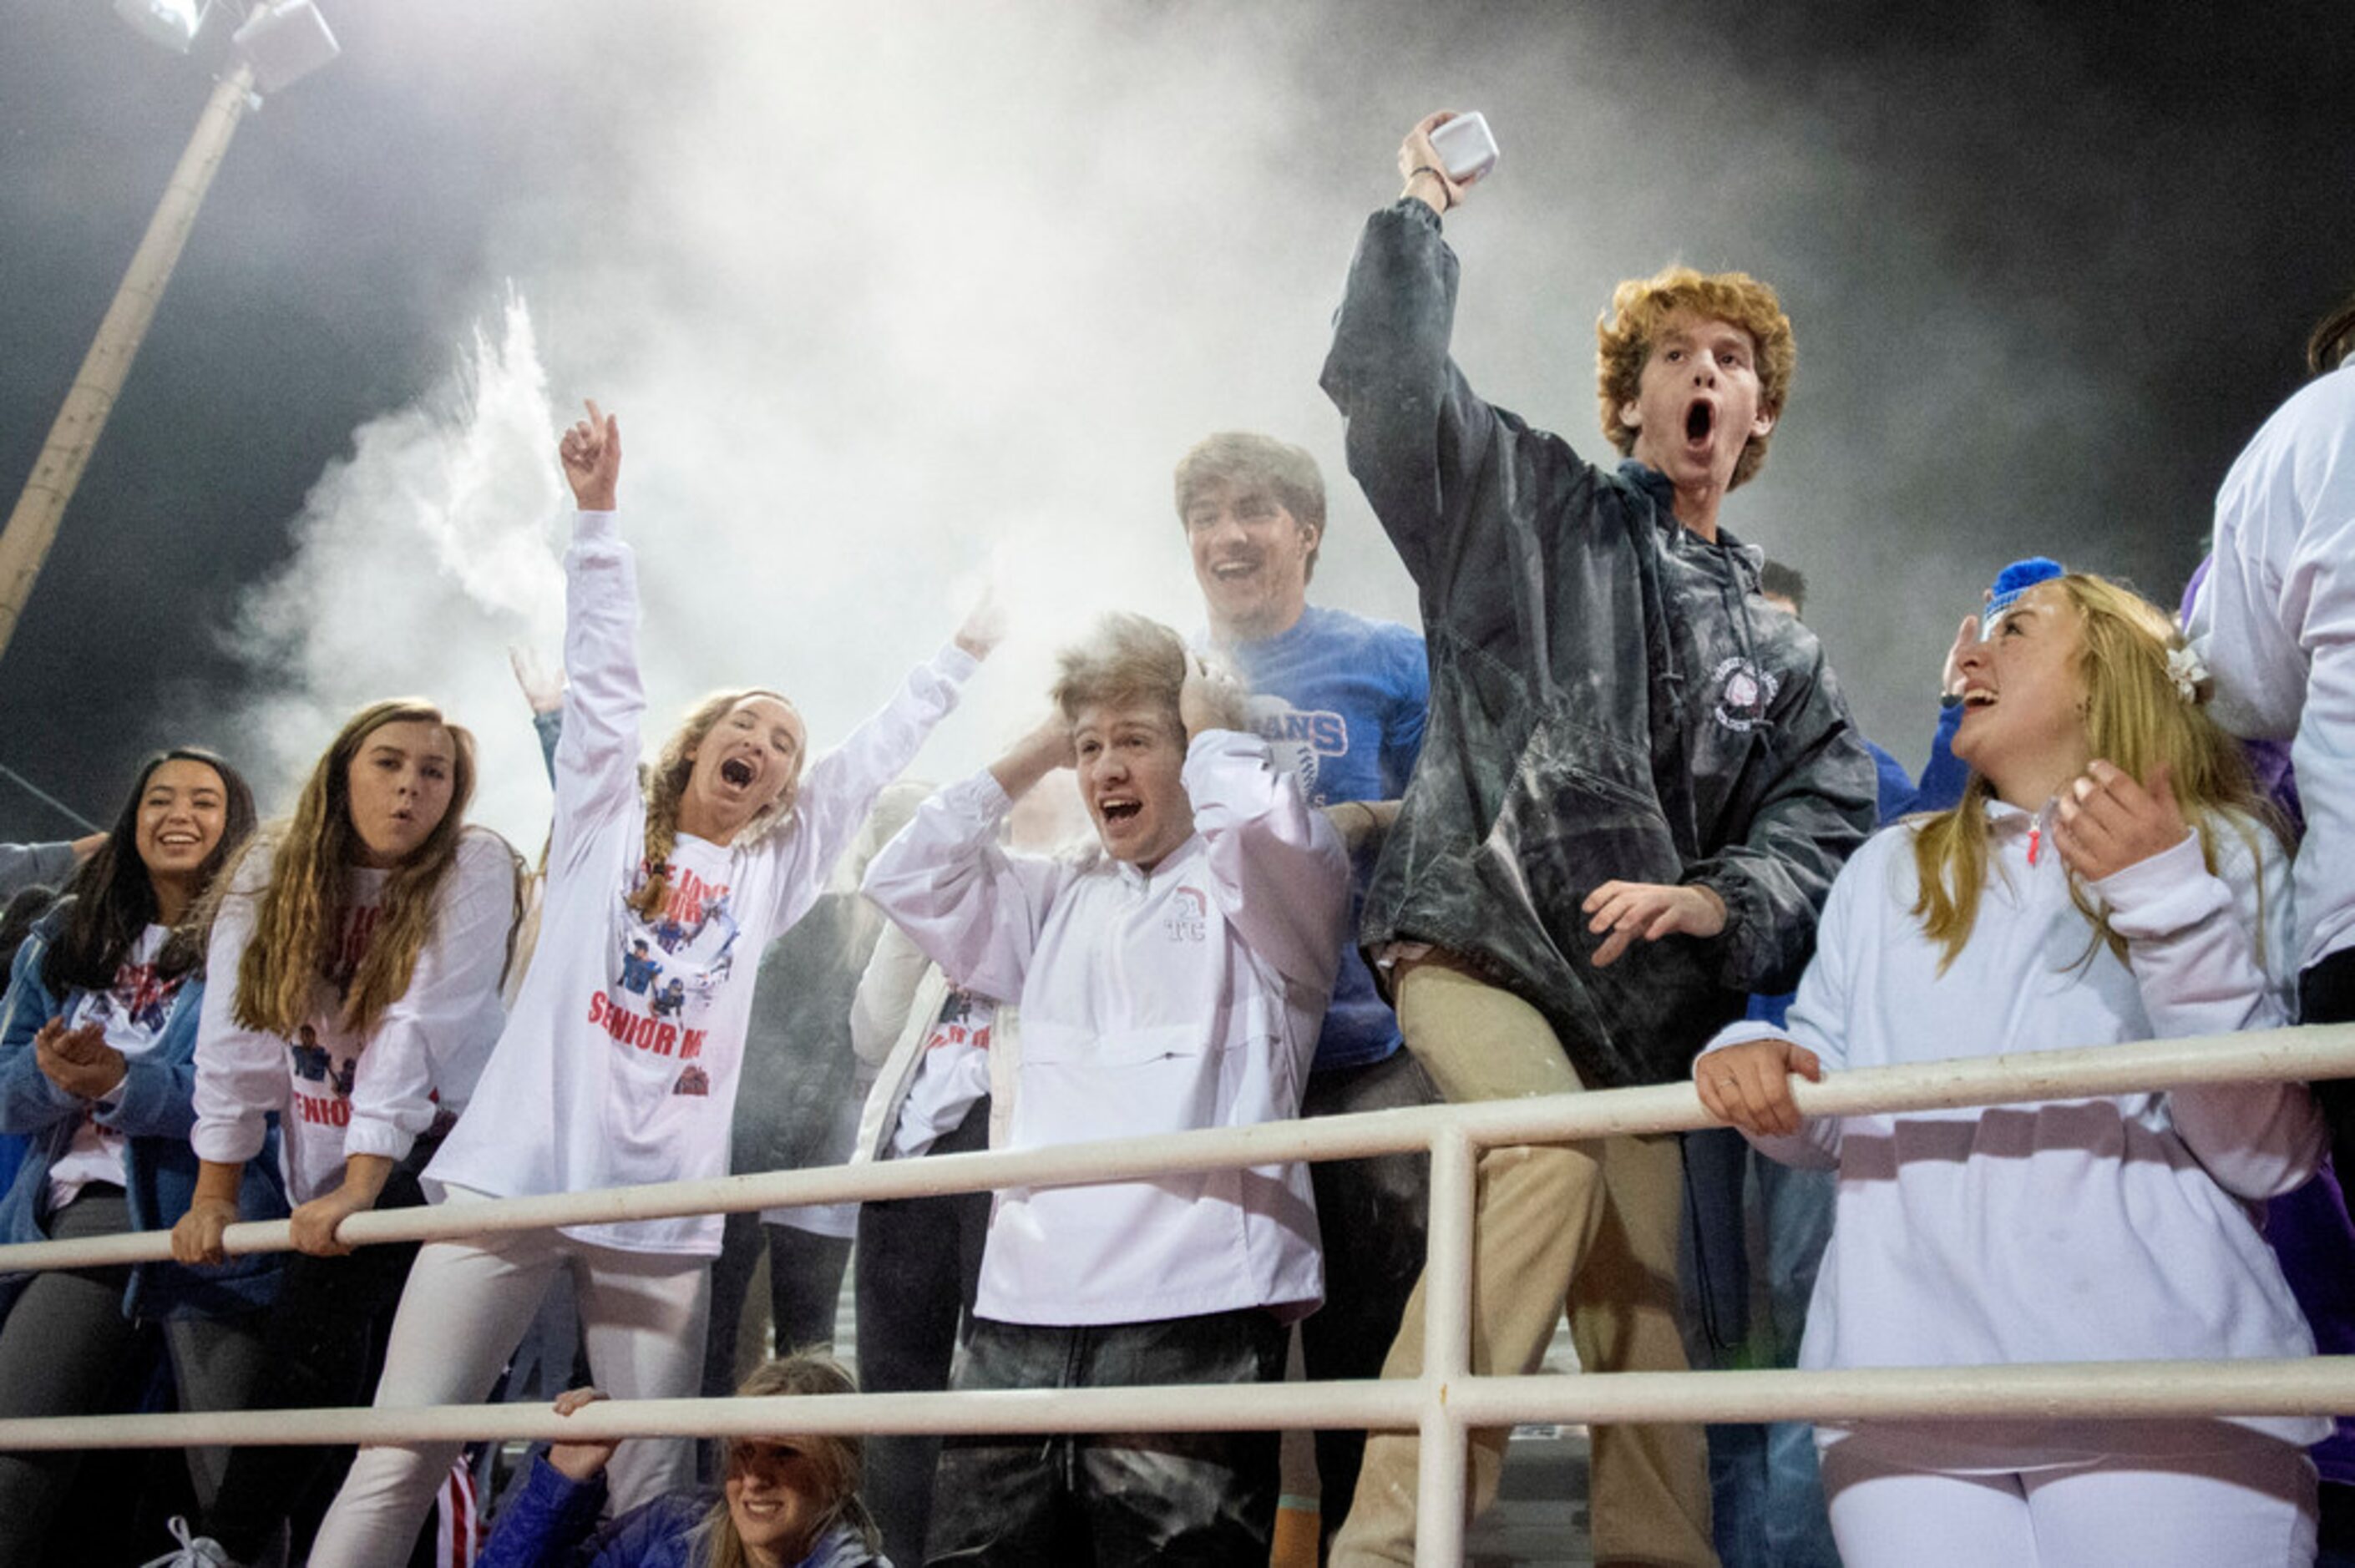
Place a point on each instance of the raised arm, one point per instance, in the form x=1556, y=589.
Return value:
x=1279, y=867
x=840, y=790
x=1417, y=436
x=973, y=909
x=596, y=763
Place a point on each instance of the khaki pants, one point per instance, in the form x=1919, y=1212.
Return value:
x=1594, y=1225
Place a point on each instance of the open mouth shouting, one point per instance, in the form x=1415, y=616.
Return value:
x=1700, y=422
x=739, y=771
x=1118, y=812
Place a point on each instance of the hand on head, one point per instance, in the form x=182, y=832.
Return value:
x=591, y=454
x=1209, y=697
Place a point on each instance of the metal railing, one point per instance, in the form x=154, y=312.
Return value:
x=1443, y=1405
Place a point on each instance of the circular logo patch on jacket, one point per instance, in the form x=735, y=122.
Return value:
x=1743, y=693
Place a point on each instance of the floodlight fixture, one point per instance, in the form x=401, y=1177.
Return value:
x=173, y=24
x=284, y=41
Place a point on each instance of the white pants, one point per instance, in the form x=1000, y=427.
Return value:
x=2251, y=1507
x=465, y=1308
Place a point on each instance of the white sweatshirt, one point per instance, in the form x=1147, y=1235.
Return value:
x=1188, y=998
x=620, y=1062
x=2276, y=623
x=337, y=1093
x=894, y=1019
x=2081, y=1230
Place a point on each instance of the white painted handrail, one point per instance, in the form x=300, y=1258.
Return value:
x=2316, y=1051
x=2320, y=1385
x=1443, y=1405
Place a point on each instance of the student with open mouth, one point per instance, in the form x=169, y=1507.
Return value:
x=608, y=1076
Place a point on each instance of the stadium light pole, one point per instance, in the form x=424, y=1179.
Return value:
x=278, y=44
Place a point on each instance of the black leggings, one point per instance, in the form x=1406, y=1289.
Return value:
x=326, y=1334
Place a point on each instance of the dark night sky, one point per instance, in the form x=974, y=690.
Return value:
x=2049, y=269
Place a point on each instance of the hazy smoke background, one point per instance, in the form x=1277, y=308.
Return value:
x=890, y=296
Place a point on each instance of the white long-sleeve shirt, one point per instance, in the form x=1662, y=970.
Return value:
x=1188, y=997
x=621, y=1059
x=2276, y=623
x=2103, y=1229
x=337, y=1093
x=894, y=1019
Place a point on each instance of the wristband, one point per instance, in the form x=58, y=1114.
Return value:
x=1446, y=193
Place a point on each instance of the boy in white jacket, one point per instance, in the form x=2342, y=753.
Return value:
x=1175, y=980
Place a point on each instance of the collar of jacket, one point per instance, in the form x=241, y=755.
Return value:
x=1654, y=486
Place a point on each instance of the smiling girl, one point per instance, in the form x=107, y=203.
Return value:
x=2107, y=878
x=621, y=1063
x=355, y=963
x=785, y=1501
x=96, y=1068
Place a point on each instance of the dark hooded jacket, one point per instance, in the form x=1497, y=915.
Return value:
x=1609, y=701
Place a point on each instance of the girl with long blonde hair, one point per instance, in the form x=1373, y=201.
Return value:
x=2110, y=875
x=621, y=1063
x=785, y=1501
x=356, y=957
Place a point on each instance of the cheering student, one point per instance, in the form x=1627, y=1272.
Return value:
x=2108, y=877
x=606, y=1076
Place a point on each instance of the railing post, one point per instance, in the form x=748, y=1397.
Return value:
x=1440, y=1457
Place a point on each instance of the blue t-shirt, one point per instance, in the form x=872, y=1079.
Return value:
x=1340, y=701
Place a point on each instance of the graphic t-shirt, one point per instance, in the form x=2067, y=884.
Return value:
x=951, y=1074
x=131, y=1012
x=621, y=1063
x=338, y=1092
x=1339, y=700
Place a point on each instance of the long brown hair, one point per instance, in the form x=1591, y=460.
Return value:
x=2136, y=718
x=311, y=855
x=666, y=782
x=840, y=1460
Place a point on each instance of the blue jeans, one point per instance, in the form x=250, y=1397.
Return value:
x=1768, y=1501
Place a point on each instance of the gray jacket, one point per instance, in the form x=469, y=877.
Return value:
x=1609, y=700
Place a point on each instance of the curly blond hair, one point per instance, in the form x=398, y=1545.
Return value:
x=666, y=782
x=1625, y=335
